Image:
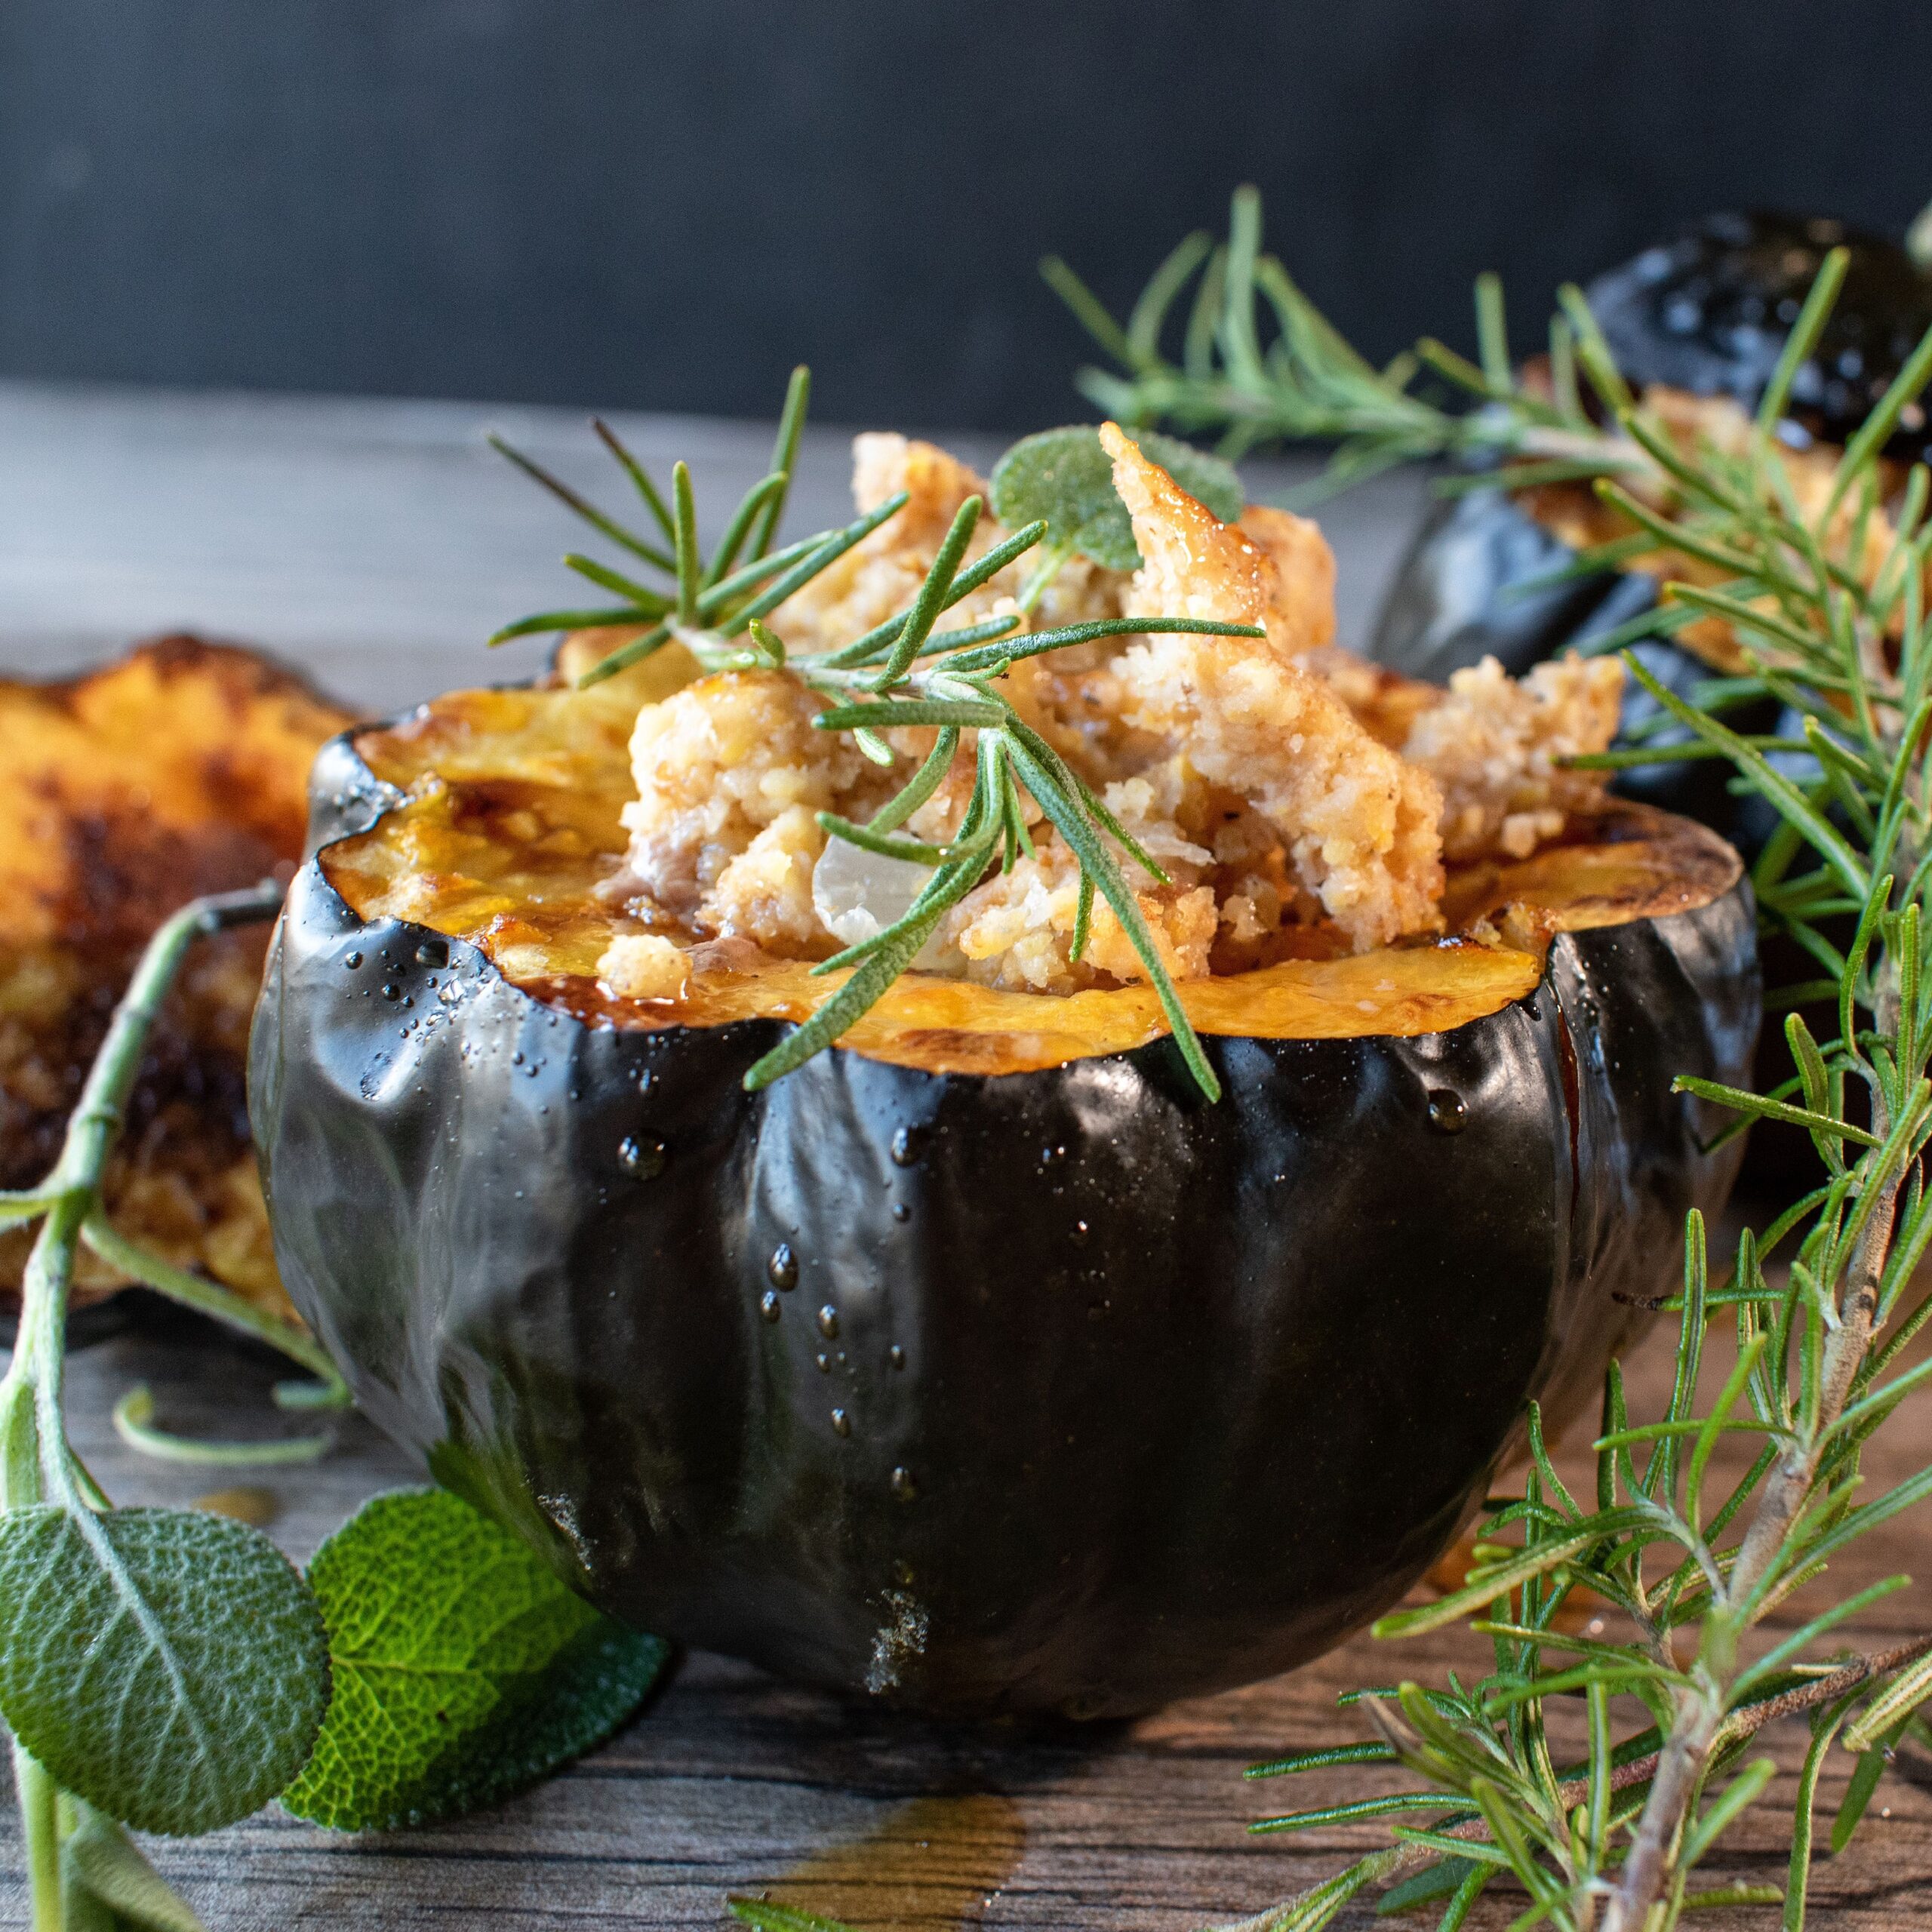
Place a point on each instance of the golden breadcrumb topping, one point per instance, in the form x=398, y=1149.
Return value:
x=730, y=774
x=1300, y=800
x=643, y=966
x=1303, y=591
x=880, y=576
x=1493, y=745
x=1358, y=825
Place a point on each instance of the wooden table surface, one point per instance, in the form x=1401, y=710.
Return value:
x=374, y=544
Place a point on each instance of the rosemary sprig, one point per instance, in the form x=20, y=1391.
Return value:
x=1308, y=384
x=909, y=675
x=905, y=673
x=1689, y=1567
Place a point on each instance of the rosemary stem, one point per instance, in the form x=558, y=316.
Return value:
x=1699, y=1717
x=1742, y=1723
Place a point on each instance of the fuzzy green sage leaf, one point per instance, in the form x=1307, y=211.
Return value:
x=1064, y=478
x=166, y=1665
x=464, y=1670
x=107, y=1884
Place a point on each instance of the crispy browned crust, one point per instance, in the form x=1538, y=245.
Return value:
x=181, y=768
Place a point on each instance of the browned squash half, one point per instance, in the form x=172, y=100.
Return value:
x=180, y=769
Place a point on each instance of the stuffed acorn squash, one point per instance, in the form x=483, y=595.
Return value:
x=982, y=1362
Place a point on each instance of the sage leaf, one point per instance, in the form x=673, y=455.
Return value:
x=463, y=1669
x=106, y=1882
x=1064, y=476
x=166, y=1666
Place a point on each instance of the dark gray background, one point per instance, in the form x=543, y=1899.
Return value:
x=622, y=203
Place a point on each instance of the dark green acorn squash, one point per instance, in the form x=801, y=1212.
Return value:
x=979, y=1364
x=1707, y=313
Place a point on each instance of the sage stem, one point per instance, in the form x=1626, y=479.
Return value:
x=40, y=1824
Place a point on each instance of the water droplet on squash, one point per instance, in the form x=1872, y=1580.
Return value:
x=824, y=1362
x=900, y=1212
x=784, y=1267
x=828, y=1321
x=896, y=1355
x=516, y=1058
x=641, y=1157
x=903, y=1486
x=1081, y=1231
x=643, y=1080
x=1446, y=1112
x=841, y=1424
x=908, y=1144
x=352, y=960
x=433, y=952
x=391, y=990
x=768, y=1306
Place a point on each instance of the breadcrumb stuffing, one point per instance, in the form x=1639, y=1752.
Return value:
x=730, y=774
x=643, y=966
x=1304, y=593
x=1493, y=744
x=1359, y=825
x=1017, y=929
x=1298, y=799
x=881, y=575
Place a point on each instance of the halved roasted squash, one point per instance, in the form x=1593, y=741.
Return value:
x=178, y=769
x=980, y=1363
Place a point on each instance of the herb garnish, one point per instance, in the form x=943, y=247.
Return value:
x=467, y=1673
x=905, y=673
x=1308, y=384
x=1690, y=1568
x=1064, y=479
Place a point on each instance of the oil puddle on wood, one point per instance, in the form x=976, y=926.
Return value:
x=935, y=1865
x=246, y=1503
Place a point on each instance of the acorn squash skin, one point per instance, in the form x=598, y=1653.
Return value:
x=1121, y=1396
